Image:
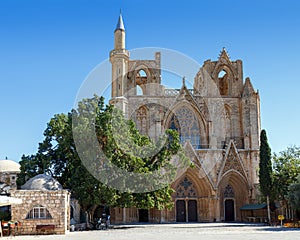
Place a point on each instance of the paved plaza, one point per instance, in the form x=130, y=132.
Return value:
x=207, y=231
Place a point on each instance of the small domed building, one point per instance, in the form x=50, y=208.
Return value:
x=45, y=208
x=8, y=177
x=8, y=173
x=42, y=182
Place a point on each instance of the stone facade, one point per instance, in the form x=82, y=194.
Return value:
x=219, y=125
x=49, y=208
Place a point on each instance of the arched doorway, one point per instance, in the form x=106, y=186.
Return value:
x=229, y=210
x=186, y=203
x=233, y=186
x=186, y=211
x=229, y=206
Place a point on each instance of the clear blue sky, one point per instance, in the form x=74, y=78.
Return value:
x=48, y=47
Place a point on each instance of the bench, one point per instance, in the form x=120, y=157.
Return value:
x=43, y=228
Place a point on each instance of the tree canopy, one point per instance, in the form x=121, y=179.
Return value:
x=286, y=170
x=119, y=142
x=293, y=195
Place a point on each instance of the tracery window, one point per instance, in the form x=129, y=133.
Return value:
x=185, y=122
x=38, y=212
x=228, y=192
x=141, y=120
x=186, y=189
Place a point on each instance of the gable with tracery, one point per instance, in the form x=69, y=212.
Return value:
x=232, y=162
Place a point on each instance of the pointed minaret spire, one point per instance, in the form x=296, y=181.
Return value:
x=119, y=58
x=120, y=24
x=120, y=34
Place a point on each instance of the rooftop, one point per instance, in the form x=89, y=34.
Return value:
x=9, y=166
x=42, y=182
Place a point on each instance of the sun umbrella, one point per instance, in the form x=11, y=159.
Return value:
x=5, y=201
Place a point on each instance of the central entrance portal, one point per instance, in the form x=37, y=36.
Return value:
x=229, y=210
x=186, y=211
x=186, y=203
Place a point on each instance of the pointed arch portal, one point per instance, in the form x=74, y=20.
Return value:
x=229, y=204
x=186, y=204
x=229, y=210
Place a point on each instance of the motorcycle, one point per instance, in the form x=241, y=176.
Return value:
x=103, y=222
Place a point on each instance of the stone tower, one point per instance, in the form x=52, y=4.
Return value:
x=119, y=58
x=218, y=121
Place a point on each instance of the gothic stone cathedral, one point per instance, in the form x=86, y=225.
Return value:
x=219, y=126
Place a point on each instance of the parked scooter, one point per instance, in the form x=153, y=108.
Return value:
x=103, y=222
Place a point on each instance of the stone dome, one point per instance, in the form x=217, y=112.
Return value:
x=42, y=182
x=9, y=166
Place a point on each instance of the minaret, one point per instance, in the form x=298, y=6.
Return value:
x=119, y=57
x=120, y=34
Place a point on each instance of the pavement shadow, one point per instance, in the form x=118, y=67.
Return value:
x=218, y=225
x=125, y=227
x=279, y=229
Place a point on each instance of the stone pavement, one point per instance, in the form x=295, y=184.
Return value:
x=207, y=231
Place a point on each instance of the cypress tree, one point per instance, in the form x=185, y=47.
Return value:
x=265, y=169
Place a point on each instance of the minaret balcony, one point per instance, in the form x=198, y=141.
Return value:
x=119, y=52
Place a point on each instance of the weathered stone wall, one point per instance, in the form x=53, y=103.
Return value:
x=131, y=215
x=56, y=202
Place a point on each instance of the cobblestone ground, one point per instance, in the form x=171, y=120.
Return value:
x=207, y=231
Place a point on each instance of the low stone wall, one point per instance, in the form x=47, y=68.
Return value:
x=131, y=215
x=56, y=202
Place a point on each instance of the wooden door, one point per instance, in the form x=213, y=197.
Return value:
x=180, y=211
x=229, y=210
x=192, y=211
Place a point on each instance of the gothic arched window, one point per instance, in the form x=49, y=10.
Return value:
x=141, y=80
x=223, y=83
x=141, y=120
x=185, y=122
x=139, y=90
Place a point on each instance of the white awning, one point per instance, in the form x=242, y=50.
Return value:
x=5, y=201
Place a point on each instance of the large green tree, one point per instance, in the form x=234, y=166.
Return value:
x=265, y=169
x=286, y=172
x=286, y=169
x=57, y=155
x=293, y=196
